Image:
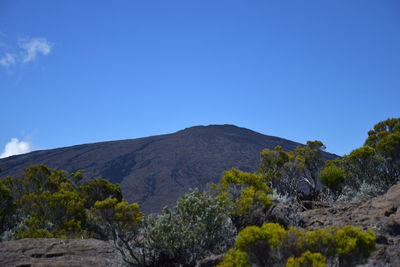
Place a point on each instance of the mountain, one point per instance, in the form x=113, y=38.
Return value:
x=156, y=170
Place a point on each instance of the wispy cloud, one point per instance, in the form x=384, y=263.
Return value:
x=8, y=60
x=16, y=147
x=23, y=51
x=33, y=47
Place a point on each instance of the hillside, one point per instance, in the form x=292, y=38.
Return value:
x=380, y=213
x=156, y=170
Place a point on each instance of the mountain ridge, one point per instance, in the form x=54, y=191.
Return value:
x=156, y=170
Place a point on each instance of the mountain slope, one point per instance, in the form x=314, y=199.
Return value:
x=156, y=170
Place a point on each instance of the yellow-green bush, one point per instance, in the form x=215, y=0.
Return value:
x=49, y=203
x=307, y=259
x=272, y=245
x=235, y=258
x=57, y=214
x=244, y=190
x=332, y=177
x=99, y=189
x=245, y=196
x=250, y=235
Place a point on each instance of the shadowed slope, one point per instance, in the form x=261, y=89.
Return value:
x=156, y=170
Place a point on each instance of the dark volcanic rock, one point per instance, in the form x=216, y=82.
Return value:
x=40, y=252
x=156, y=170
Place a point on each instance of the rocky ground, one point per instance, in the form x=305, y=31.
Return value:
x=382, y=214
x=41, y=252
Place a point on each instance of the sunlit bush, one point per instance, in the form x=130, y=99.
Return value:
x=272, y=245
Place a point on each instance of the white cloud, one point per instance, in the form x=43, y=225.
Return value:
x=33, y=47
x=16, y=147
x=7, y=60
x=27, y=50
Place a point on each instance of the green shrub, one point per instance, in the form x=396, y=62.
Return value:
x=235, y=258
x=307, y=259
x=198, y=227
x=120, y=221
x=99, y=189
x=288, y=172
x=244, y=190
x=373, y=168
x=333, y=177
x=272, y=245
x=60, y=214
x=244, y=195
x=49, y=203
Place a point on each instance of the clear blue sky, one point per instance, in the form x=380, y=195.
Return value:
x=74, y=72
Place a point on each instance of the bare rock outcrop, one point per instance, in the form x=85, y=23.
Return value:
x=41, y=252
x=381, y=214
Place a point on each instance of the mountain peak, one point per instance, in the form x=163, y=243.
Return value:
x=212, y=127
x=156, y=170
x=217, y=129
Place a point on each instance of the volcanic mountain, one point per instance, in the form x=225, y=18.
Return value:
x=154, y=171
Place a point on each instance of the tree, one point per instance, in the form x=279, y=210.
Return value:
x=373, y=168
x=122, y=221
x=57, y=214
x=295, y=173
x=49, y=203
x=99, y=189
x=7, y=208
x=310, y=163
x=385, y=139
x=276, y=166
x=363, y=167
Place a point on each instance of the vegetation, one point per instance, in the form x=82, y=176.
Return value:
x=366, y=172
x=371, y=169
x=332, y=177
x=295, y=173
x=49, y=203
x=272, y=245
x=54, y=203
x=7, y=208
x=99, y=189
x=198, y=227
x=245, y=195
x=121, y=221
